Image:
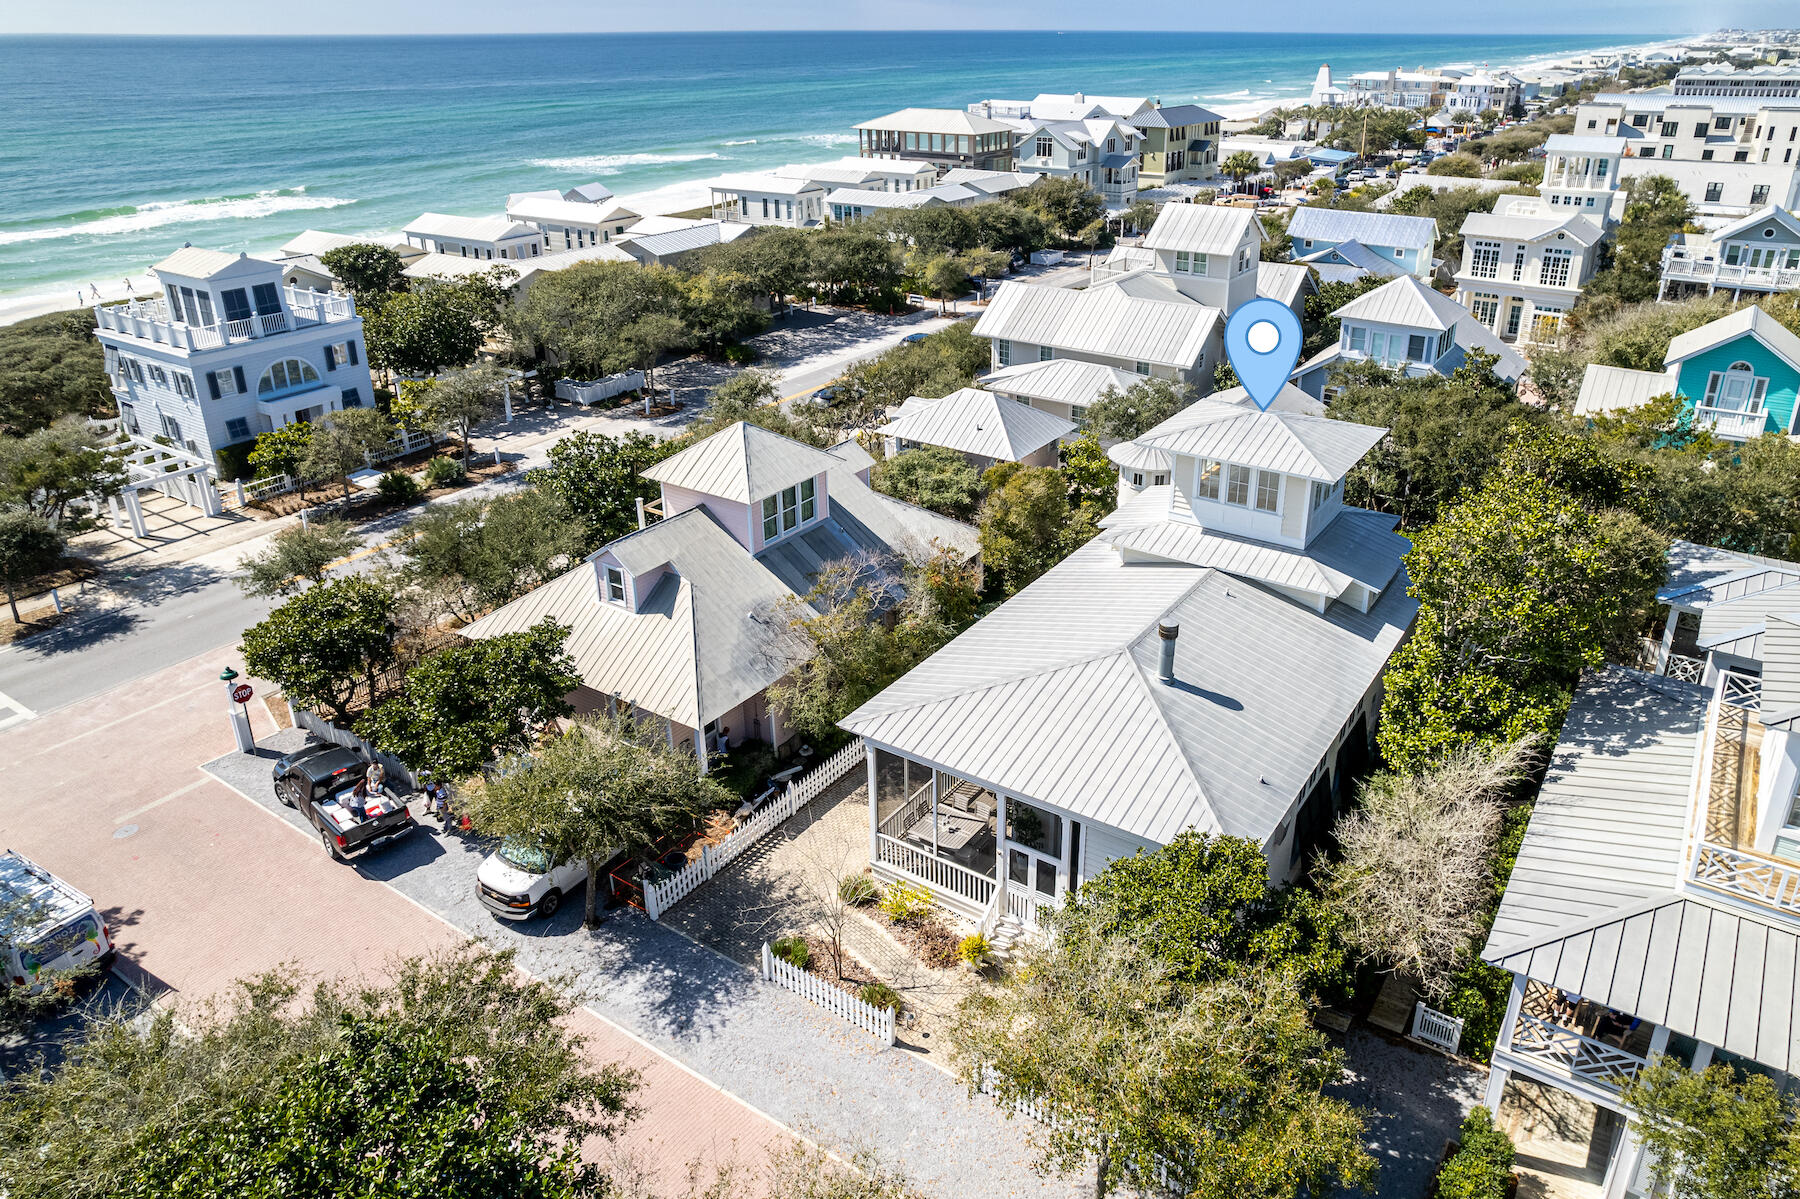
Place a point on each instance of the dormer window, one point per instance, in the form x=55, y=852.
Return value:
x=1206, y=484
x=1268, y=491
x=1237, y=485
x=615, y=585
x=1320, y=493
x=788, y=509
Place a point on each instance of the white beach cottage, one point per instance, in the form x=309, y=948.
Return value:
x=1211, y=660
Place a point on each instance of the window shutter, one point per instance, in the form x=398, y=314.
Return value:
x=354, y=360
x=330, y=358
x=212, y=383
x=237, y=372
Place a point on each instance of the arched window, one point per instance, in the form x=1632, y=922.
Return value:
x=290, y=374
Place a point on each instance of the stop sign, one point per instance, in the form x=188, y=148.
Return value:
x=242, y=693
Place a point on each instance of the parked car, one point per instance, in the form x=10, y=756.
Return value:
x=323, y=782
x=519, y=881
x=47, y=925
x=825, y=397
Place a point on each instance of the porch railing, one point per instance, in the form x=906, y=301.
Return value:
x=1747, y=876
x=1024, y=905
x=1573, y=1054
x=924, y=866
x=1731, y=422
x=917, y=805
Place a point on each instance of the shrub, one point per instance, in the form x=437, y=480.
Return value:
x=740, y=355
x=445, y=472
x=880, y=995
x=858, y=890
x=975, y=950
x=792, y=950
x=399, y=487
x=1482, y=1165
x=906, y=903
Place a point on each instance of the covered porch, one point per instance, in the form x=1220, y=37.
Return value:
x=986, y=854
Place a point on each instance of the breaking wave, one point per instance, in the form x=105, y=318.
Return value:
x=104, y=222
x=612, y=164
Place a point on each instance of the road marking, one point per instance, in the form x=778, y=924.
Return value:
x=20, y=713
x=101, y=728
x=157, y=803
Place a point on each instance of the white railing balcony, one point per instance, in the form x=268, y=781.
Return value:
x=955, y=882
x=150, y=320
x=1679, y=264
x=1733, y=424
x=1569, y=1053
x=1748, y=876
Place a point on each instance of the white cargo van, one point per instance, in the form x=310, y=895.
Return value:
x=46, y=925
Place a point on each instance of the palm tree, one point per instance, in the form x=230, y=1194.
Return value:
x=1240, y=165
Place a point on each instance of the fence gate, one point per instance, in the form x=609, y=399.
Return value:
x=1436, y=1029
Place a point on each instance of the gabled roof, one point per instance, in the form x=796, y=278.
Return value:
x=1773, y=212
x=1608, y=389
x=1222, y=427
x=766, y=181
x=1283, y=282
x=1751, y=320
x=987, y=182
x=978, y=422
x=1063, y=380
x=1531, y=226
x=588, y=193
x=192, y=262
x=1405, y=301
x=460, y=266
x=1353, y=254
x=1202, y=228
x=1369, y=228
x=1175, y=116
x=470, y=228
x=555, y=210
x=935, y=120
x=742, y=463
x=1154, y=323
x=1054, y=696
x=644, y=246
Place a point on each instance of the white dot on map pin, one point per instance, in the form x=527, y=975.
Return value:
x=1262, y=340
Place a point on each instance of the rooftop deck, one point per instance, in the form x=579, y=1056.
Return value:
x=149, y=320
x=1725, y=857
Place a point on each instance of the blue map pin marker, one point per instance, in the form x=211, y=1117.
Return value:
x=1262, y=339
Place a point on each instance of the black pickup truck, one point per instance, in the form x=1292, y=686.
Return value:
x=321, y=781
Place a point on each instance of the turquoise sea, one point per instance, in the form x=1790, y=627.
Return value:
x=117, y=150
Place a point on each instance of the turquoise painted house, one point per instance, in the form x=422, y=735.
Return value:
x=1740, y=375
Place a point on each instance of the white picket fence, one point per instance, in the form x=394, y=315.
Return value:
x=400, y=778
x=659, y=897
x=405, y=443
x=1436, y=1029
x=836, y=1000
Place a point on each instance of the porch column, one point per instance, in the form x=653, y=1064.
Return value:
x=134, y=509
x=936, y=774
x=1497, y=1075
x=1000, y=851
x=1623, y=1165
x=874, y=805
x=1668, y=641
x=1496, y=1087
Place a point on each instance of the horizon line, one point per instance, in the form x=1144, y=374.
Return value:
x=960, y=32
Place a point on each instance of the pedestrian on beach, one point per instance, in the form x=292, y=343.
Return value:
x=127, y=284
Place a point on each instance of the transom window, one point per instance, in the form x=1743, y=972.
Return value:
x=1045, y=147
x=290, y=374
x=1738, y=387
x=788, y=509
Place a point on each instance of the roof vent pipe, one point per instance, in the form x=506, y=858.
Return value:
x=1168, y=631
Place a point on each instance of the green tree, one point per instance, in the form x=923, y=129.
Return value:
x=470, y=703
x=1010, y=228
x=282, y=450
x=321, y=644
x=1656, y=209
x=456, y=1076
x=1277, y=246
x=1093, y=479
x=641, y=345
x=1122, y=415
x=1066, y=204
x=297, y=557
x=1213, y=1090
x=463, y=399
x=341, y=444
x=1715, y=1133
x=932, y=231
x=1462, y=165
x=478, y=554
x=931, y=476
x=1024, y=525
x=577, y=317
x=717, y=308
x=1317, y=319
x=437, y=325
x=29, y=546
x=1482, y=1165
x=1238, y=166
x=940, y=364
x=371, y=271
x=1141, y=215
x=51, y=367
x=855, y=266
x=1446, y=435
x=600, y=479
x=753, y=396
x=60, y=472
x=1520, y=587
x=602, y=787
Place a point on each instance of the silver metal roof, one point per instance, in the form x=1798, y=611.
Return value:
x=1608, y=389
x=1751, y=320
x=675, y=241
x=470, y=228
x=1314, y=447
x=743, y=463
x=1202, y=229
x=1369, y=228
x=1282, y=281
x=1729, y=618
x=1063, y=380
x=1530, y=227
x=1781, y=668
x=1354, y=254
x=1569, y=143
x=978, y=422
x=1055, y=697
x=1608, y=827
x=1174, y=116
x=1166, y=329
x=1405, y=301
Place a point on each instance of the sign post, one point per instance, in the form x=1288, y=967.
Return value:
x=237, y=696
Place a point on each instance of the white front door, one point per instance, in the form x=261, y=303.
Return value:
x=1035, y=841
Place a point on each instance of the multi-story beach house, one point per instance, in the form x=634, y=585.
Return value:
x=1759, y=254
x=1177, y=144
x=1483, y=91
x=486, y=237
x=1765, y=80
x=768, y=199
x=1404, y=241
x=574, y=218
x=228, y=352
x=1408, y=327
x=1210, y=661
x=1100, y=152
x=865, y=174
x=1730, y=154
x=1399, y=89
x=686, y=621
x=1738, y=375
x=1652, y=910
x=1065, y=106
x=1525, y=263
x=1161, y=314
x=944, y=137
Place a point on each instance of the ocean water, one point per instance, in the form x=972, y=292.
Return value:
x=115, y=151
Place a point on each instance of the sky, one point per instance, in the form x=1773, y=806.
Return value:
x=1626, y=18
